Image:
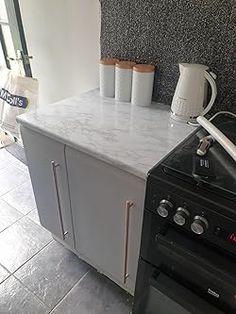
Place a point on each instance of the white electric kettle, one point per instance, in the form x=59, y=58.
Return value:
x=191, y=92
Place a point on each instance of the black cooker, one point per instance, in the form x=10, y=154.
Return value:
x=188, y=252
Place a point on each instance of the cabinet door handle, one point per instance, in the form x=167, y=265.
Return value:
x=129, y=205
x=54, y=166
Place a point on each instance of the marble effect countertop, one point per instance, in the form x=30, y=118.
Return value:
x=129, y=137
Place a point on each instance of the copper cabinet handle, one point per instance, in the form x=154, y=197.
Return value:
x=54, y=166
x=129, y=205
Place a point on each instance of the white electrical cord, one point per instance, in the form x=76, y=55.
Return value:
x=222, y=112
x=195, y=123
x=218, y=135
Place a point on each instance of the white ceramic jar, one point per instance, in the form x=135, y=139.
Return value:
x=107, y=77
x=123, y=81
x=142, y=86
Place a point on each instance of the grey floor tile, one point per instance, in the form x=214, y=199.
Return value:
x=8, y=215
x=52, y=273
x=3, y=274
x=95, y=294
x=11, y=177
x=20, y=165
x=17, y=151
x=20, y=242
x=16, y=299
x=22, y=198
x=5, y=158
x=34, y=216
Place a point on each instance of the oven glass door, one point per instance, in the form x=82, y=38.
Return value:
x=167, y=296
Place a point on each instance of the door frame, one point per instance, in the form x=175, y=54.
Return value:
x=18, y=35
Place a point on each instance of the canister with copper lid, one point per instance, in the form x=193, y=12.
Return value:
x=107, y=77
x=142, y=85
x=123, y=81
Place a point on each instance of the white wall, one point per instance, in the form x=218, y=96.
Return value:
x=63, y=37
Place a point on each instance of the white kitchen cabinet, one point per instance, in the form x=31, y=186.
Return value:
x=47, y=167
x=107, y=209
x=93, y=207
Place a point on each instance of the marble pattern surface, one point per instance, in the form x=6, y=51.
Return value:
x=130, y=137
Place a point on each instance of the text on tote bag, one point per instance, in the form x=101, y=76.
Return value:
x=13, y=100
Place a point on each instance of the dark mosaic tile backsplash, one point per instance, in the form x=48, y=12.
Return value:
x=166, y=32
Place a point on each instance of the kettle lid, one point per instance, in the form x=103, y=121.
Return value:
x=195, y=66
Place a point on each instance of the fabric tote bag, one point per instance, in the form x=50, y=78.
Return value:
x=18, y=94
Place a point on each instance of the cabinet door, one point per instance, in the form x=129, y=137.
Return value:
x=107, y=209
x=47, y=167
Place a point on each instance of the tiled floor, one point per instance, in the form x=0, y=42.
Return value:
x=37, y=274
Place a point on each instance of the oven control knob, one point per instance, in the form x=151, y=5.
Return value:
x=164, y=208
x=199, y=225
x=181, y=216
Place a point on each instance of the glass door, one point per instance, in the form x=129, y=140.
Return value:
x=13, y=47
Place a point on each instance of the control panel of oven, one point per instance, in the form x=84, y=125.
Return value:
x=181, y=215
x=190, y=215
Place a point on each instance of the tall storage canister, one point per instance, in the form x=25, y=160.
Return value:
x=142, y=86
x=107, y=77
x=123, y=85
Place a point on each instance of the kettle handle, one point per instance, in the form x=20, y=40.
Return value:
x=212, y=82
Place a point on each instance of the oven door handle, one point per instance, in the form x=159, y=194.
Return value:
x=177, y=252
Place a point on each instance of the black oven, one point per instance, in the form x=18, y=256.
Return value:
x=188, y=252
x=179, y=275
x=181, y=272
x=162, y=294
